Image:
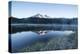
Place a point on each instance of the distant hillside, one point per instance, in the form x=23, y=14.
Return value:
x=39, y=20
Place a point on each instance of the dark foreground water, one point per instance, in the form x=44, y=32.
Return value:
x=24, y=39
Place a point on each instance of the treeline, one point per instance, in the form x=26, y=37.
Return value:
x=36, y=20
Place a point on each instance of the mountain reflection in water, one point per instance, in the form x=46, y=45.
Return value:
x=23, y=39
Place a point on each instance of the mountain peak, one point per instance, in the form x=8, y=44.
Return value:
x=40, y=16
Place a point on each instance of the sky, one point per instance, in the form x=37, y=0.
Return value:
x=21, y=9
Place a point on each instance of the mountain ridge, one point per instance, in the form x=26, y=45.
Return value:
x=37, y=20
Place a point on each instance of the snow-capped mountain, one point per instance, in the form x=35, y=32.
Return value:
x=41, y=16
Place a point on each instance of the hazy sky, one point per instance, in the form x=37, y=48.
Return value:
x=27, y=9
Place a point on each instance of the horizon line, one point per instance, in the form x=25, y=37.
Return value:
x=49, y=17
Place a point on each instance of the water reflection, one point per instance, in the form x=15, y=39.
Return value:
x=22, y=39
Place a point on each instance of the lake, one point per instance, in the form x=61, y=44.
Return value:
x=20, y=40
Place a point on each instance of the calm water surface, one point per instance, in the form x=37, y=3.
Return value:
x=23, y=39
